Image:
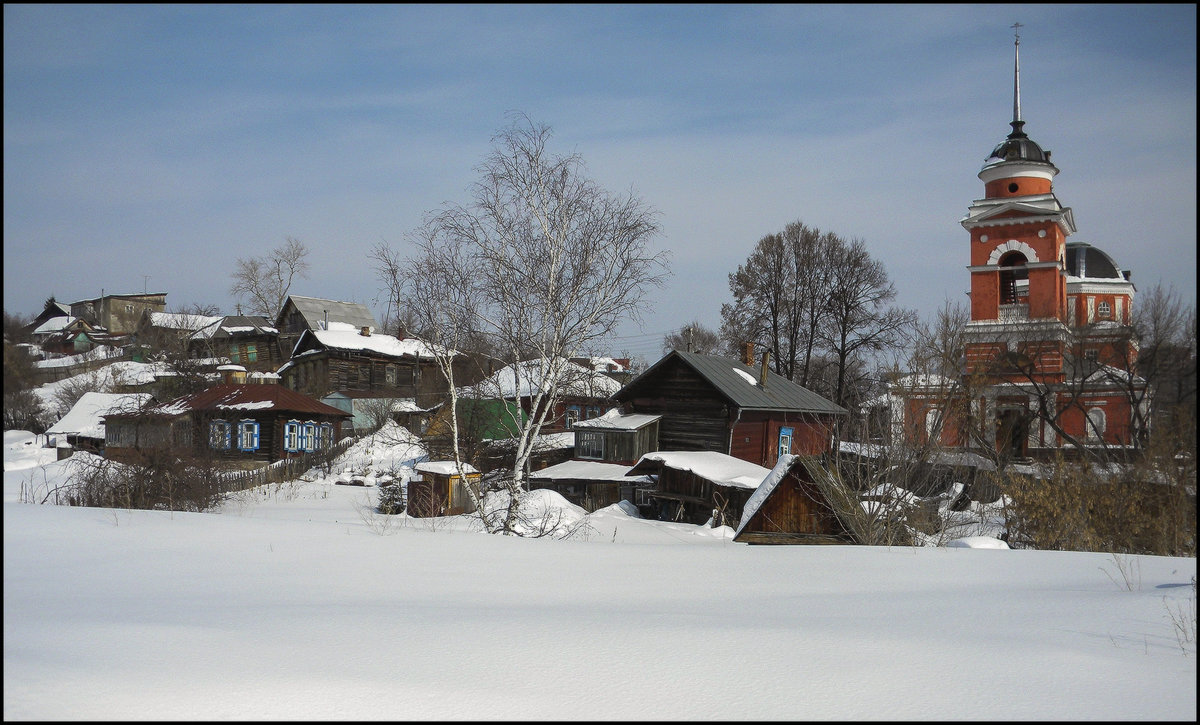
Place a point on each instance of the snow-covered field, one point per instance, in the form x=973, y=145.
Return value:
x=298, y=602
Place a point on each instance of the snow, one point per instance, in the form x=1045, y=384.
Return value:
x=296, y=601
x=746, y=376
x=523, y=379
x=445, y=468
x=614, y=420
x=342, y=336
x=716, y=467
x=255, y=405
x=590, y=470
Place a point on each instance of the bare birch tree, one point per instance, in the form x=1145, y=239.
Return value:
x=262, y=283
x=552, y=263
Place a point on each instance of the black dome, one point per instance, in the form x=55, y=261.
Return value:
x=1019, y=147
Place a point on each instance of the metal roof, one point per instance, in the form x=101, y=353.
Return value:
x=314, y=310
x=739, y=383
x=235, y=397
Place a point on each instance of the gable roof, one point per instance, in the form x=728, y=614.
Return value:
x=616, y=420
x=179, y=321
x=764, y=490
x=316, y=310
x=233, y=398
x=738, y=382
x=234, y=325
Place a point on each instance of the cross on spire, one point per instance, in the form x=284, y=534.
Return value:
x=1017, y=123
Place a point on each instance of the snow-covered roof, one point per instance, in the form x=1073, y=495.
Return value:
x=588, y=470
x=1110, y=374
x=346, y=338
x=615, y=420
x=445, y=468
x=782, y=466
x=180, y=321
x=524, y=379
x=52, y=325
x=716, y=467
x=86, y=417
x=232, y=325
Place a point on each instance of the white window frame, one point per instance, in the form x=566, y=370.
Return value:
x=308, y=434
x=1097, y=423
x=291, y=435
x=582, y=438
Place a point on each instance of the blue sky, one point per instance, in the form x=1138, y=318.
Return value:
x=167, y=141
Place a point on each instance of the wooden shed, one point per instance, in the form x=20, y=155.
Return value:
x=440, y=491
x=592, y=485
x=788, y=508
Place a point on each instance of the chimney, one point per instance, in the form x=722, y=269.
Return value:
x=366, y=331
x=748, y=353
x=762, y=376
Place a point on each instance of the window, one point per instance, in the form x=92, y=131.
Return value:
x=589, y=444
x=389, y=374
x=235, y=353
x=1096, y=421
x=248, y=435
x=219, y=434
x=1104, y=310
x=572, y=415
x=593, y=411
x=933, y=423
x=291, y=435
x=1012, y=269
x=308, y=435
x=251, y=352
x=785, y=441
x=326, y=440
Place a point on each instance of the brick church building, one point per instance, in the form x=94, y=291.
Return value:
x=1050, y=355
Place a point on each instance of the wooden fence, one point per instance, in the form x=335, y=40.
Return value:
x=286, y=469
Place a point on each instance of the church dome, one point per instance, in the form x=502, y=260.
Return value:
x=1087, y=262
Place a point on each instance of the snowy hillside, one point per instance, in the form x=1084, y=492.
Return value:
x=297, y=601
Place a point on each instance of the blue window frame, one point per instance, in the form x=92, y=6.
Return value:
x=785, y=440
x=572, y=415
x=308, y=435
x=248, y=435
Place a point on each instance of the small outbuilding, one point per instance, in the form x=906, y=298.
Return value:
x=788, y=508
x=439, y=490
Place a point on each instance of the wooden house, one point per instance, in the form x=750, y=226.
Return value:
x=239, y=424
x=440, y=491
x=79, y=336
x=696, y=486
x=712, y=403
x=788, y=508
x=343, y=359
x=251, y=341
x=57, y=314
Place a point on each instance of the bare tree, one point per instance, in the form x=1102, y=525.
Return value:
x=549, y=262
x=262, y=283
x=694, y=337
x=859, y=319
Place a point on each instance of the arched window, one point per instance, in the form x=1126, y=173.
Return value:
x=1104, y=310
x=933, y=424
x=1012, y=268
x=1096, y=421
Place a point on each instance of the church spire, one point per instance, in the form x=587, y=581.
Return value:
x=1017, y=123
